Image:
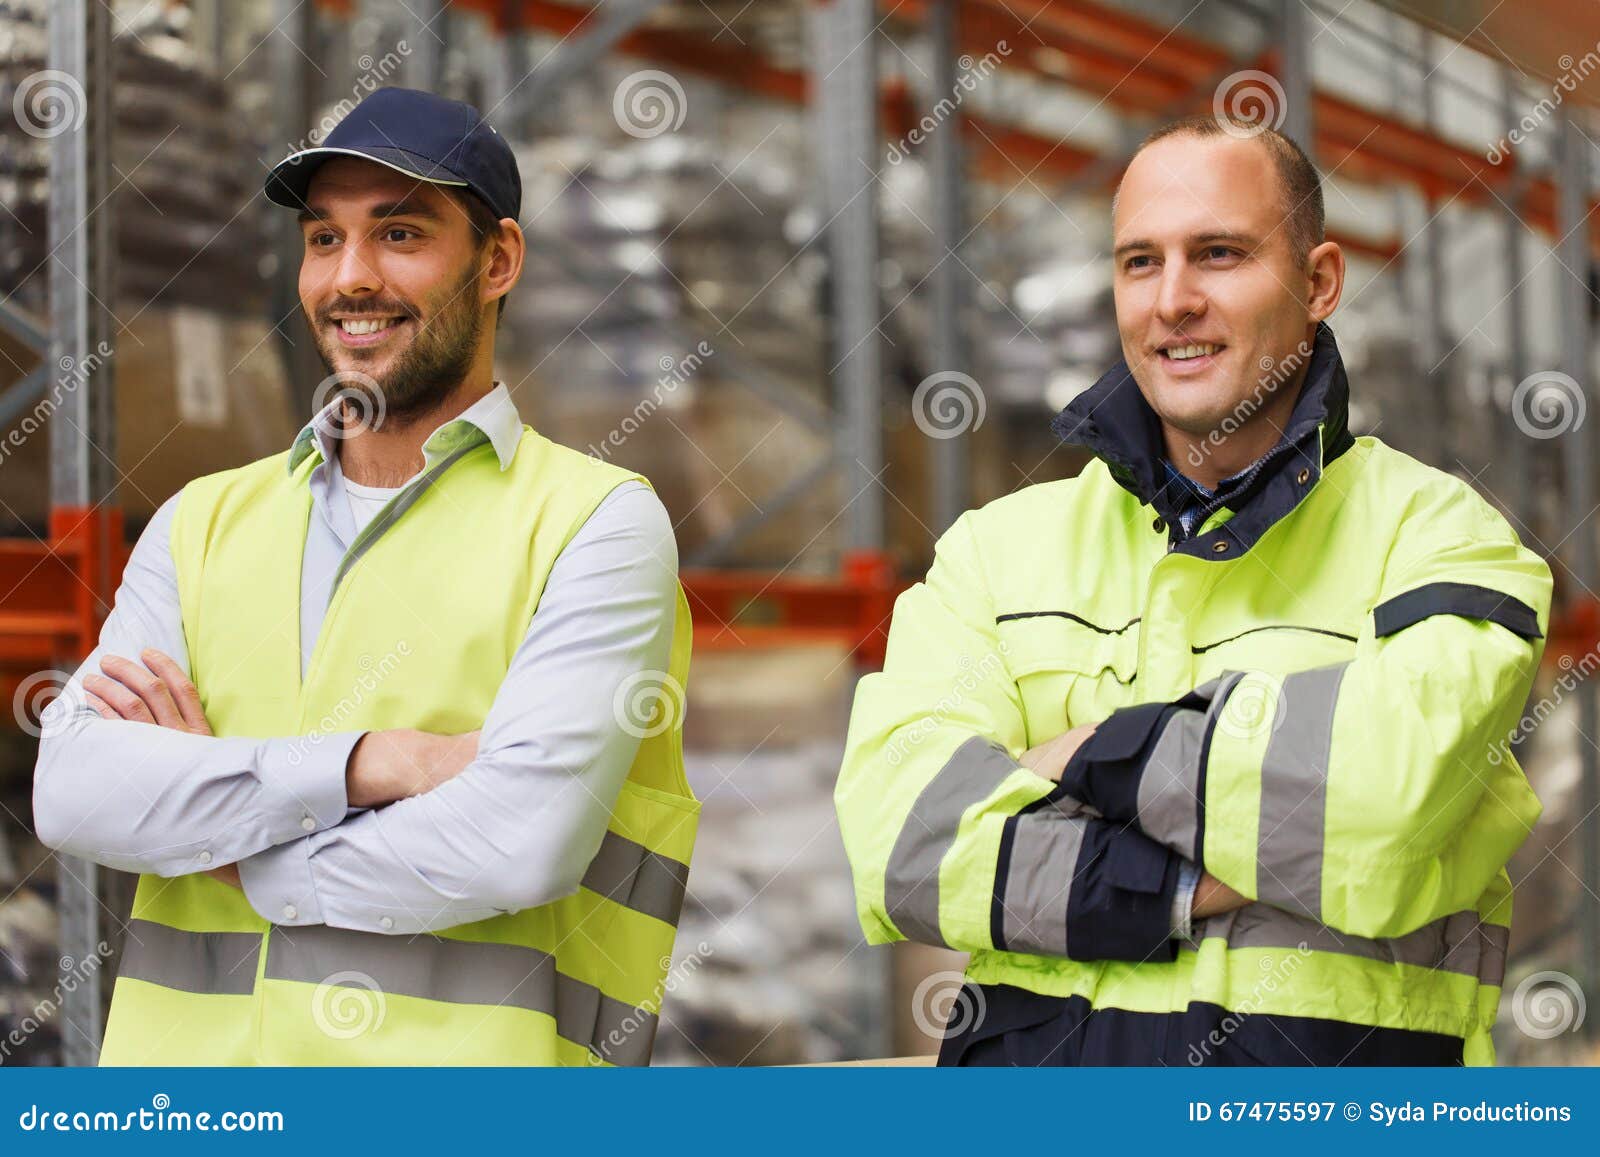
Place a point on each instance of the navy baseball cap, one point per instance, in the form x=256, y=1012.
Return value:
x=443, y=142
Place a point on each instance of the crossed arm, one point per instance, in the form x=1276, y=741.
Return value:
x=385, y=831
x=1386, y=804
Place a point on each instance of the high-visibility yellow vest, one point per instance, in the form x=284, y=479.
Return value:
x=1362, y=640
x=454, y=568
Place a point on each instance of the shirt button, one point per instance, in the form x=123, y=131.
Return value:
x=290, y=911
x=386, y=923
x=1158, y=525
x=1302, y=476
x=205, y=857
x=308, y=824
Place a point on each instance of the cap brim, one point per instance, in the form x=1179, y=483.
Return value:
x=290, y=178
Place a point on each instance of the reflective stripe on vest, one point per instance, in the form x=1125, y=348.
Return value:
x=456, y=971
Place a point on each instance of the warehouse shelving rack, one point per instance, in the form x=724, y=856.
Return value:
x=58, y=590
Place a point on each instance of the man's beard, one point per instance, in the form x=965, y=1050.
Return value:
x=425, y=372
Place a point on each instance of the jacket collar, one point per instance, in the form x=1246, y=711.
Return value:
x=1114, y=422
x=492, y=418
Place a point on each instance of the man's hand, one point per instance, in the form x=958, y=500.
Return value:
x=1049, y=759
x=1212, y=897
x=161, y=695
x=392, y=765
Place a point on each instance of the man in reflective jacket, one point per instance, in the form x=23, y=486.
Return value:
x=1199, y=754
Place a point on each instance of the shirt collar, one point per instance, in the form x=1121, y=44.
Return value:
x=492, y=418
x=1114, y=422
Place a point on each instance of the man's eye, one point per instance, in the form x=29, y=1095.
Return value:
x=398, y=234
x=318, y=240
x=1219, y=253
x=1137, y=262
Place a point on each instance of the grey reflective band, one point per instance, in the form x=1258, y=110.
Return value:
x=1463, y=600
x=1169, y=787
x=465, y=972
x=637, y=878
x=1039, y=872
x=213, y=963
x=911, y=877
x=1294, y=791
x=1461, y=942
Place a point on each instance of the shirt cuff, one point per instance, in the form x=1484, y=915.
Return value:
x=278, y=884
x=1183, y=901
x=303, y=783
x=1120, y=903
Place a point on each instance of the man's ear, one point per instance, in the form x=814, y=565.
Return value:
x=507, y=249
x=1325, y=271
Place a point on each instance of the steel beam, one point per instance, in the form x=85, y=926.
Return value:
x=578, y=54
x=83, y=425
x=951, y=457
x=845, y=110
x=1294, y=73
x=1577, y=444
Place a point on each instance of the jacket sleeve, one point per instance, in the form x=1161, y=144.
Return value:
x=952, y=841
x=1373, y=796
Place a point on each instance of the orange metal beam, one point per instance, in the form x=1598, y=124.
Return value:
x=735, y=609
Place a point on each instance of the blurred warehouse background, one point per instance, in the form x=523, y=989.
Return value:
x=825, y=297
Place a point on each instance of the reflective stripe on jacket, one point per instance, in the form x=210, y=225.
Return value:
x=1308, y=698
x=453, y=569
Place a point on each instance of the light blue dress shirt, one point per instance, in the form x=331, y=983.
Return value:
x=517, y=828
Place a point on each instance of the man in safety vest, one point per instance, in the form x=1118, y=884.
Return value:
x=1200, y=754
x=390, y=722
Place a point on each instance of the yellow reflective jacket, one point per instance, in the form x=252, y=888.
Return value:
x=1308, y=698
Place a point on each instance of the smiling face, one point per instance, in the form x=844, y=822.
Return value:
x=392, y=282
x=1213, y=303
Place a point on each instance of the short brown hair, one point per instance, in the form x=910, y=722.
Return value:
x=1304, y=222
x=485, y=224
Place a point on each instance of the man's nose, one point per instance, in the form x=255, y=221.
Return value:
x=1180, y=296
x=355, y=276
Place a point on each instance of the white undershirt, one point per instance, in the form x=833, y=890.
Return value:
x=366, y=501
